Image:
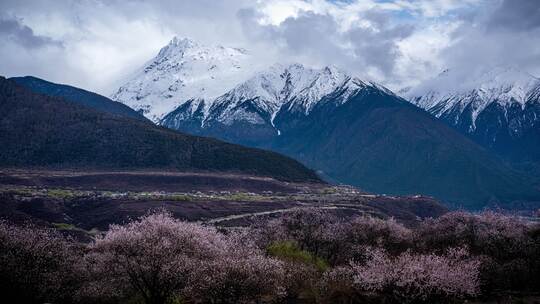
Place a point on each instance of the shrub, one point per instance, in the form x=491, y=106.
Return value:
x=289, y=251
x=242, y=273
x=305, y=255
x=308, y=227
x=370, y=231
x=36, y=265
x=490, y=233
x=312, y=229
x=302, y=270
x=233, y=279
x=507, y=244
x=322, y=234
x=337, y=286
x=418, y=277
x=154, y=257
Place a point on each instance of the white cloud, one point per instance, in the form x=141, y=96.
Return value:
x=398, y=43
x=421, y=53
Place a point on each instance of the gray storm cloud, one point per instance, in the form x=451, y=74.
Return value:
x=318, y=39
x=508, y=35
x=13, y=29
x=519, y=15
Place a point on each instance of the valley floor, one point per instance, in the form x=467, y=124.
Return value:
x=83, y=203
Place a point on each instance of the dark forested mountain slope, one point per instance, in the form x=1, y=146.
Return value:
x=382, y=144
x=499, y=109
x=77, y=95
x=45, y=131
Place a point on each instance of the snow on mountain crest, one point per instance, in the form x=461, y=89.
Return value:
x=212, y=79
x=181, y=43
x=181, y=71
x=290, y=88
x=505, y=85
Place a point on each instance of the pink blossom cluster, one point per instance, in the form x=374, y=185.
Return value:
x=411, y=276
x=36, y=264
x=508, y=246
x=161, y=258
x=486, y=230
x=323, y=234
x=308, y=254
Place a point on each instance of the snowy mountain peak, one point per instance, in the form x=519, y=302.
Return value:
x=191, y=79
x=507, y=77
x=181, y=71
x=181, y=43
x=269, y=99
x=293, y=88
x=176, y=47
x=449, y=92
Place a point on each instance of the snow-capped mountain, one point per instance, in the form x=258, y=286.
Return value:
x=188, y=81
x=354, y=131
x=184, y=70
x=500, y=108
x=504, y=86
x=277, y=90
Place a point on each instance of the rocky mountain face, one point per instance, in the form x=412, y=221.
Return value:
x=499, y=109
x=352, y=131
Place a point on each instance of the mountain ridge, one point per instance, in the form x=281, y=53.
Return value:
x=501, y=85
x=44, y=131
x=260, y=99
x=77, y=95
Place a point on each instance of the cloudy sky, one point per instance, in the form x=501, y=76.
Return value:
x=95, y=44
